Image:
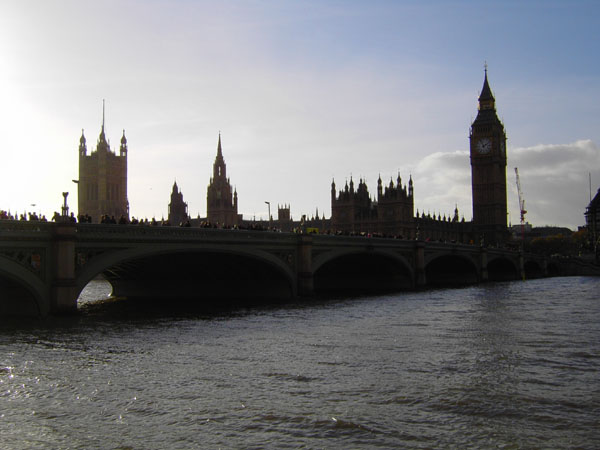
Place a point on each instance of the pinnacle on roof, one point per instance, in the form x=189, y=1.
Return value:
x=102, y=136
x=219, y=151
x=486, y=92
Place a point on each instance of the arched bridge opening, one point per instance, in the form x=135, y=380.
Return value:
x=16, y=299
x=451, y=271
x=363, y=273
x=198, y=279
x=554, y=269
x=533, y=270
x=502, y=269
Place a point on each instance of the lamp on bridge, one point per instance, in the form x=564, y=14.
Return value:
x=65, y=207
x=269, y=206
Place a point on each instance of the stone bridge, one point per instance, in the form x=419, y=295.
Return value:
x=45, y=266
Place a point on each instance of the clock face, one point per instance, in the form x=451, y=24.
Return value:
x=484, y=146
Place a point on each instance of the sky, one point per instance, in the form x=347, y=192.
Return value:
x=303, y=93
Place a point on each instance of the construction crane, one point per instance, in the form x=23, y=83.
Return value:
x=521, y=205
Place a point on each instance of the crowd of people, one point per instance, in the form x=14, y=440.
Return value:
x=124, y=220
x=6, y=215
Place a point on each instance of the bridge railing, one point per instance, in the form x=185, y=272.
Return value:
x=22, y=226
x=148, y=232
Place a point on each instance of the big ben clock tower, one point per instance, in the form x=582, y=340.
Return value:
x=488, y=170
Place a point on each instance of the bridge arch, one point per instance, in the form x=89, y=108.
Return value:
x=361, y=270
x=451, y=270
x=554, y=269
x=533, y=269
x=501, y=268
x=22, y=293
x=189, y=272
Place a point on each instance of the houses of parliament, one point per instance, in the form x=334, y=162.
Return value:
x=102, y=192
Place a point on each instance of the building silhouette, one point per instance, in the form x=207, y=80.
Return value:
x=221, y=202
x=592, y=222
x=488, y=170
x=102, y=184
x=392, y=211
x=178, y=209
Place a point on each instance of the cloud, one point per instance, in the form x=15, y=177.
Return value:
x=554, y=180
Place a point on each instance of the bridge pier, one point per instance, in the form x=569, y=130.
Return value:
x=421, y=279
x=521, y=266
x=484, y=265
x=304, y=273
x=63, y=291
x=545, y=267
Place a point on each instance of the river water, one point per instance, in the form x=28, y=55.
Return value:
x=504, y=365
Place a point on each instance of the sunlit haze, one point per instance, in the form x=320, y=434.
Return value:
x=302, y=93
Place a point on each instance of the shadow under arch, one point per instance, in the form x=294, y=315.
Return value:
x=21, y=293
x=532, y=270
x=362, y=272
x=502, y=269
x=193, y=276
x=554, y=269
x=451, y=271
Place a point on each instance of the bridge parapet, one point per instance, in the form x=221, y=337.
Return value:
x=28, y=244
x=9, y=228
x=54, y=261
x=99, y=231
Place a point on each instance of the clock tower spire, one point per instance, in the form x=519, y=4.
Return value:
x=488, y=170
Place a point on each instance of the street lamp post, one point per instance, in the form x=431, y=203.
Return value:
x=65, y=207
x=77, y=183
x=269, y=206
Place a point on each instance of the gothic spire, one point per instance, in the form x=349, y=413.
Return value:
x=219, y=169
x=219, y=151
x=82, y=144
x=102, y=137
x=123, y=148
x=486, y=98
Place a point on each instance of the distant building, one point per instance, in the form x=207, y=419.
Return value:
x=392, y=214
x=519, y=230
x=392, y=211
x=178, y=209
x=547, y=231
x=284, y=218
x=488, y=171
x=221, y=202
x=592, y=219
x=353, y=210
x=102, y=184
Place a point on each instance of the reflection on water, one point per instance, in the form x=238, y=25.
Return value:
x=505, y=365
